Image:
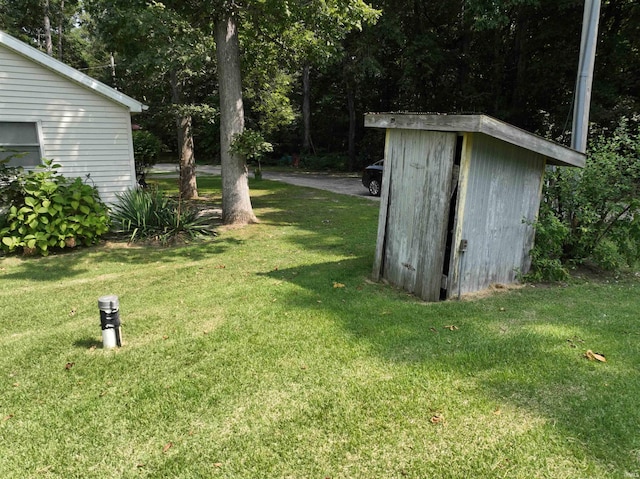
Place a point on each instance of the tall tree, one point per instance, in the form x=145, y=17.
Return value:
x=155, y=41
x=236, y=201
x=287, y=22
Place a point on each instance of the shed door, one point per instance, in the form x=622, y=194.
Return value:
x=418, y=169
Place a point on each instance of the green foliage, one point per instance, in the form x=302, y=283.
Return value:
x=594, y=214
x=150, y=215
x=251, y=145
x=546, y=255
x=52, y=212
x=10, y=190
x=146, y=149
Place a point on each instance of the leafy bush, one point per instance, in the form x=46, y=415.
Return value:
x=146, y=149
x=10, y=189
x=593, y=214
x=325, y=162
x=149, y=215
x=251, y=145
x=51, y=212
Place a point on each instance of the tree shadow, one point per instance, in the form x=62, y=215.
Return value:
x=526, y=358
x=60, y=267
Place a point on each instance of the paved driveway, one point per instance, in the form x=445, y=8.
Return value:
x=344, y=184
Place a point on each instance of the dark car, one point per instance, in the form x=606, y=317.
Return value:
x=372, y=177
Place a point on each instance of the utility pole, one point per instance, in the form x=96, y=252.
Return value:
x=582, y=101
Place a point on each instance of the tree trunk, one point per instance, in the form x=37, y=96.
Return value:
x=306, y=109
x=236, y=201
x=351, y=103
x=188, y=182
x=47, y=29
x=60, y=30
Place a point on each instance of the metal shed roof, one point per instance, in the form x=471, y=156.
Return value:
x=556, y=154
x=70, y=73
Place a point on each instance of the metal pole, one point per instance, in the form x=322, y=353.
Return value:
x=582, y=101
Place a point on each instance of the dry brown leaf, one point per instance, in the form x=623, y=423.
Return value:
x=218, y=464
x=167, y=446
x=6, y=418
x=338, y=285
x=451, y=328
x=69, y=366
x=591, y=356
x=433, y=330
x=437, y=419
x=72, y=312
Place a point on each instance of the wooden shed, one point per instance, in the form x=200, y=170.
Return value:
x=459, y=195
x=50, y=110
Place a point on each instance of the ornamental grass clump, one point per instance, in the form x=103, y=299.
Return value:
x=150, y=215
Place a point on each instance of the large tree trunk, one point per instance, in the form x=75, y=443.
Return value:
x=236, y=202
x=307, y=145
x=47, y=29
x=188, y=183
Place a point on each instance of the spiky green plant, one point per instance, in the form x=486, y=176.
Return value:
x=150, y=215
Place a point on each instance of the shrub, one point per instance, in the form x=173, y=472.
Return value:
x=52, y=212
x=594, y=214
x=149, y=215
x=146, y=149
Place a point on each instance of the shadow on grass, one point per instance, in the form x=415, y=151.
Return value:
x=60, y=267
x=87, y=343
x=528, y=357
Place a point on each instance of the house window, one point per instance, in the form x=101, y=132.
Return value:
x=19, y=142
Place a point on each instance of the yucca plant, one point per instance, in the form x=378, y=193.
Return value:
x=150, y=215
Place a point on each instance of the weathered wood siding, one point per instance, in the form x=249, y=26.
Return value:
x=83, y=131
x=500, y=186
x=414, y=210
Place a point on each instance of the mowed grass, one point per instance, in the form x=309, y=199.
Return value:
x=268, y=353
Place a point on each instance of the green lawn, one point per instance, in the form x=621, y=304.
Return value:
x=268, y=353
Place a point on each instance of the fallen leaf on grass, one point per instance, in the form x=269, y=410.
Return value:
x=591, y=356
x=72, y=312
x=451, y=328
x=6, y=418
x=93, y=348
x=220, y=266
x=433, y=330
x=338, y=285
x=69, y=366
x=437, y=419
x=167, y=446
x=218, y=464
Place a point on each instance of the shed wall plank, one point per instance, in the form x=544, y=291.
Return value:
x=503, y=188
x=418, y=170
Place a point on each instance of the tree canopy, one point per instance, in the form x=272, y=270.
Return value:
x=311, y=68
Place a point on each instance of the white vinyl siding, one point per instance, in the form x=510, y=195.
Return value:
x=88, y=134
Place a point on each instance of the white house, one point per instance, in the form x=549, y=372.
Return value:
x=50, y=110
